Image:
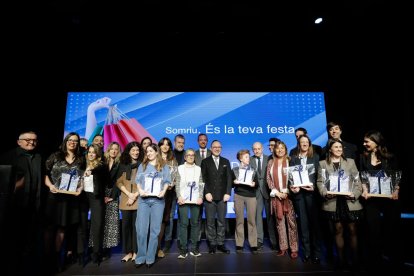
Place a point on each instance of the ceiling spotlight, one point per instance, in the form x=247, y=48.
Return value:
x=318, y=20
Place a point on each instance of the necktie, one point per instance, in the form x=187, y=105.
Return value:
x=259, y=166
x=203, y=154
x=217, y=162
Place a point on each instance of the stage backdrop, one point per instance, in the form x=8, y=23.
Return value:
x=237, y=119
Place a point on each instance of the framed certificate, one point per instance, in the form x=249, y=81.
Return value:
x=339, y=184
x=299, y=175
x=69, y=183
x=245, y=176
x=152, y=185
x=190, y=192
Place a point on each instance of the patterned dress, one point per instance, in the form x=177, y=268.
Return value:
x=111, y=236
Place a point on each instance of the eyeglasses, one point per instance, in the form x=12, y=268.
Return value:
x=29, y=140
x=190, y=155
x=73, y=141
x=216, y=147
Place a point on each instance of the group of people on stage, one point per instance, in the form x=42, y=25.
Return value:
x=146, y=181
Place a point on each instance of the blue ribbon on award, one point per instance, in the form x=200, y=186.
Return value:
x=340, y=175
x=153, y=176
x=380, y=175
x=299, y=168
x=191, y=185
x=72, y=173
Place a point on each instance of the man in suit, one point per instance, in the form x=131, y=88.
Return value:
x=263, y=198
x=217, y=177
x=203, y=151
x=299, y=132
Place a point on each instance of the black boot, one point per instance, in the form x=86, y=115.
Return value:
x=58, y=262
x=80, y=258
x=96, y=258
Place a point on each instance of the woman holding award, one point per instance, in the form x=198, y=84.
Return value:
x=338, y=182
x=245, y=183
x=152, y=179
x=189, y=190
x=282, y=207
x=128, y=202
x=305, y=198
x=378, y=163
x=64, y=171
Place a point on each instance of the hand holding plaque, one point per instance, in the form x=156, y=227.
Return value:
x=152, y=185
x=339, y=184
x=299, y=175
x=69, y=183
x=381, y=183
x=245, y=177
x=190, y=192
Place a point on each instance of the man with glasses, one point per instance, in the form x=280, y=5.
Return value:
x=26, y=199
x=217, y=177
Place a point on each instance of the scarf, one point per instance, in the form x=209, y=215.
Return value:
x=129, y=170
x=281, y=205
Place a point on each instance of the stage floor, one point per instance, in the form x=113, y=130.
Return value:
x=264, y=263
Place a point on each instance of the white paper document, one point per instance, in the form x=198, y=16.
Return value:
x=88, y=183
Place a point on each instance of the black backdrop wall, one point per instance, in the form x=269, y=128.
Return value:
x=358, y=58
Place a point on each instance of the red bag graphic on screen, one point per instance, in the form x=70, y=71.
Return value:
x=133, y=130
x=119, y=128
x=112, y=133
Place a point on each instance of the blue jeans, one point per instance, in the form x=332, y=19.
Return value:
x=150, y=211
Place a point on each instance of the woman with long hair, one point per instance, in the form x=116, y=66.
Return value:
x=341, y=210
x=153, y=178
x=128, y=202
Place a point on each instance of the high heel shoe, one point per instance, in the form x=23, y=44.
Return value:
x=96, y=258
x=294, y=255
x=281, y=253
x=127, y=258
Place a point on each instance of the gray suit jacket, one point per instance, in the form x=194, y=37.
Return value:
x=351, y=170
x=263, y=188
x=198, y=158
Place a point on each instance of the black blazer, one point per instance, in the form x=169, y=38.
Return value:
x=100, y=180
x=217, y=182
